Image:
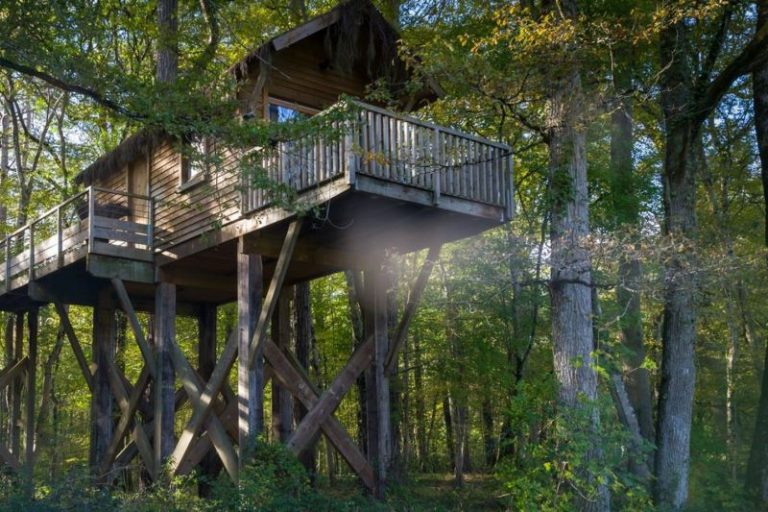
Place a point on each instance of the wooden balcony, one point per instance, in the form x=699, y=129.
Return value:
x=436, y=164
x=96, y=222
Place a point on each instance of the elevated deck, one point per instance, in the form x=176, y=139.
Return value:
x=369, y=180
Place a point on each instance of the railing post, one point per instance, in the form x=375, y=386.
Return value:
x=91, y=214
x=151, y=224
x=59, y=238
x=32, y=251
x=437, y=162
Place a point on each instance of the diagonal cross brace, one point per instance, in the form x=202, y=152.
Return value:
x=293, y=378
x=229, y=354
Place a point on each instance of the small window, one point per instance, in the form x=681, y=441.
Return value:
x=280, y=111
x=195, y=159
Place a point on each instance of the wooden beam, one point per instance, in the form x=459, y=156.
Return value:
x=282, y=403
x=164, y=378
x=128, y=406
x=133, y=320
x=377, y=384
x=103, y=353
x=121, y=429
x=250, y=379
x=414, y=297
x=331, y=397
x=210, y=465
x=194, y=387
x=32, y=328
x=295, y=379
x=75, y=343
x=7, y=375
x=227, y=358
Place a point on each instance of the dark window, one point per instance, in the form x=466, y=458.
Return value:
x=195, y=159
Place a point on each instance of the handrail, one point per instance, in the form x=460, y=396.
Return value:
x=427, y=124
x=42, y=244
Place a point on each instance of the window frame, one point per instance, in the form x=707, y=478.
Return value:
x=298, y=107
x=186, y=180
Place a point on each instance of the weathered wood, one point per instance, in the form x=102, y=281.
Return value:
x=209, y=462
x=128, y=404
x=250, y=379
x=414, y=297
x=164, y=378
x=128, y=413
x=227, y=357
x=294, y=379
x=103, y=351
x=331, y=398
x=282, y=404
x=7, y=375
x=16, y=388
x=133, y=320
x=377, y=383
x=120, y=251
x=85, y=368
x=32, y=328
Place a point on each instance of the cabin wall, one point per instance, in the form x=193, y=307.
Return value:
x=184, y=214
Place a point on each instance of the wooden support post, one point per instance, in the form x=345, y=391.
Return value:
x=282, y=403
x=29, y=446
x=304, y=342
x=164, y=386
x=210, y=465
x=206, y=394
x=103, y=343
x=250, y=379
x=18, y=347
x=377, y=383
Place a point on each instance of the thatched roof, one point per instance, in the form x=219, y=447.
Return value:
x=133, y=147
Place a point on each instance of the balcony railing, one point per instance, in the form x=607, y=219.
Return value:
x=97, y=221
x=401, y=149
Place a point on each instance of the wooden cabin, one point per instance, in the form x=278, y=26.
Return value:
x=160, y=228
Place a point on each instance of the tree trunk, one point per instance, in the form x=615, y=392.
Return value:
x=626, y=208
x=757, y=467
x=571, y=268
x=421, y=417
x=167, y=43
x=449, y=439
x=678, y=371
x=489, y=440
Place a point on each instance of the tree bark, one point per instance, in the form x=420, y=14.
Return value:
x=757, y=468
x=678, y=371
x=167, y=43
x=571, y=266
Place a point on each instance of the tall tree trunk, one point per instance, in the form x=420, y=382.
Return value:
x=571, y=266
x=421, y=417
x=167, y=43
x=489, y=440
x=678, y=371
x=449, y=434
x=757, y=467
x=626, y=208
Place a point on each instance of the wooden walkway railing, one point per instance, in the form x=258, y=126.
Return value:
x=396, y=148
x=97, y=221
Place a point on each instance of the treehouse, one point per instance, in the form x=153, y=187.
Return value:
x=178, y=227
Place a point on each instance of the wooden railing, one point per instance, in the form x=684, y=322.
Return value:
x=97, y=220
x=402, y=149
